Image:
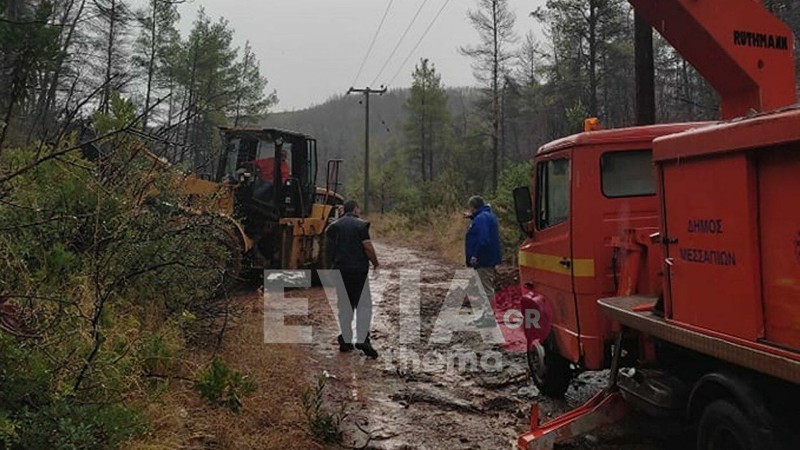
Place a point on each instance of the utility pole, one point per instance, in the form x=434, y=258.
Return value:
x=645, y=72
x=367, y=92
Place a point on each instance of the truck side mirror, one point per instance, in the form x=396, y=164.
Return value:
x=523, y=207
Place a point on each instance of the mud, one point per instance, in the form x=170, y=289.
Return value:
x=394, y=403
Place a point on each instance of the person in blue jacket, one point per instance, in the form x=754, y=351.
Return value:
x=482, y=249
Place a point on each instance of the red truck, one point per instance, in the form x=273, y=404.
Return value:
x=674, y=250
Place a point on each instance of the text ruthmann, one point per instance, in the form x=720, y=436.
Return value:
x=760, y=40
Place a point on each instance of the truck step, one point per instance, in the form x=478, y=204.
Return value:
x=654, y=392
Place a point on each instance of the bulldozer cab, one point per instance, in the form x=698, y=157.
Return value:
x=274, y=172
x=283, y=214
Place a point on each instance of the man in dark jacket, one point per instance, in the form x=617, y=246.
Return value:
x=483, y=251
x=351, y=251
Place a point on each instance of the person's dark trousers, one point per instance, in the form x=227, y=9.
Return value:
x=356, y=298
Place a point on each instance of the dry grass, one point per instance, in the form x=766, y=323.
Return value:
x=272, y=416
x=440, y=232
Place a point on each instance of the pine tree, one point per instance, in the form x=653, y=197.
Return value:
x=427, y=127
x=158, y=37
x=112, y=24
x=250, y=104
x=218, y=87
x=591, y=56
x=27, y=48
x=62, y=74
x=207, y=77
x=528, y=122
x=494, y=22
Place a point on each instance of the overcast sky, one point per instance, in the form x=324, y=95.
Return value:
x=312, y=49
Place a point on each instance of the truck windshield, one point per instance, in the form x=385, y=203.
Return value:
x=628, y=173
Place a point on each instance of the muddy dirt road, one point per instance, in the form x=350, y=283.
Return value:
x=450, y=399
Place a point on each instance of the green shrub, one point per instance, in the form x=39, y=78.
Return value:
x=68, y=423
x=221, y=386
x=323, y=426
x=8, y=431
x=111, y=281
x=158, y=353
x=34, y=415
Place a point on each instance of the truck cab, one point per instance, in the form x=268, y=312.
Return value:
x=586, y=190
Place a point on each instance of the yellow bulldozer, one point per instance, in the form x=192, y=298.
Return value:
x=265, y=188
x=283, y=215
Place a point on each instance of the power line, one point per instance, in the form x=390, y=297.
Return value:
x=411, y=53
x=367, y=92
x=372, y=44
x=405, y=33
x=383, y=122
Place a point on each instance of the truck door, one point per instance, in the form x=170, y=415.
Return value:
x=548, y=256
x=779, y=184
x=709, y=223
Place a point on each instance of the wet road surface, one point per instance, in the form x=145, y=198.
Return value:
x=467, y=394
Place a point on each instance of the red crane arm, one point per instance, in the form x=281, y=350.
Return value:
x=745, y=52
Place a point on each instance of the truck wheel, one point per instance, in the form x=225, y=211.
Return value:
x=723, y=426
x=551, y=372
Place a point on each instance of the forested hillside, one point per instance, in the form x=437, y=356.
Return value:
x=338, y=124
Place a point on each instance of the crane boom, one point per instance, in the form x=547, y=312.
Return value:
x=745, y=52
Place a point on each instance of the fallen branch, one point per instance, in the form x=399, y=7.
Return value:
x=432, y=398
